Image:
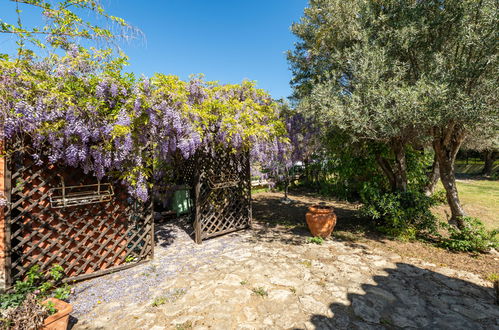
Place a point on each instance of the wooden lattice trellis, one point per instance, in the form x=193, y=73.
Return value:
x=221, y=185
x=87, y=240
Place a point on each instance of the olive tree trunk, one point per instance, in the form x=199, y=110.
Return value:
x=433, y=177
x=396, y=175
x=446, y=146
x=401, y=166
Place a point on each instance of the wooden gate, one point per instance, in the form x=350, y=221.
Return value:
x=221, y=185
x=88, y=233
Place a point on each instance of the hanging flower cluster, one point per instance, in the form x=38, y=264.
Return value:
x=71, y=111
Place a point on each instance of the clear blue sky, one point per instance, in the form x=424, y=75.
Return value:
x=227, y=40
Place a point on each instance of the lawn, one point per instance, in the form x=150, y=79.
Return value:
x=473, y=167
x=480, y=199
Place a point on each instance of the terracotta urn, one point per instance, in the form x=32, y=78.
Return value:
x=59, y=320
x=321, y=220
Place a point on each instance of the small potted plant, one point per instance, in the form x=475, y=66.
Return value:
x=321, y=220
x=59, y=318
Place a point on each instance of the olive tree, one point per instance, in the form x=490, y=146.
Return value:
x=401, y=72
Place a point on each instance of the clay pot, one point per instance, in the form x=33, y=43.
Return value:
x=59, y=320
x=321, y=220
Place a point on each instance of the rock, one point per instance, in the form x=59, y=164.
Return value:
x=268, y=321
x=313, y=306
x=284, y=281
x=310, y=289
x=246, y=326
x=453, y=322
x=240, y=296
x=402, y=321
x=231, y=280
x=470, y=312
x=386, y=296
x=250, y=313
x=157, y=327
x=185, y=319
x=280, y=295
x=365, y=312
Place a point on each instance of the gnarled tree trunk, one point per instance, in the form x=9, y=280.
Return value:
x=401, y=165
x=446, y=143
x=433, y=177
x=396, y=175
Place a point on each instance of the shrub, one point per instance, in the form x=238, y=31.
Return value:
x=43, y=285
x=402, y=214
x=472, y=238
x=440, y=197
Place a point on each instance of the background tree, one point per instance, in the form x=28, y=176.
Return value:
x=64, y=25
x=486, y=141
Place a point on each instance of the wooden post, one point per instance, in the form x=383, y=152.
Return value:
x=197, y=198
x=4, y=226
x=248, y=178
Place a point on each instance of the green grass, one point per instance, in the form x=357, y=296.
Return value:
x=473, y=167
x=480, y=199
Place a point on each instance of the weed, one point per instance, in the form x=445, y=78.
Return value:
x=260, y=292
x=130, y=259
x=306, y=263
x=473, y=237
x=50, y=307
x=177, y=293
x=293, y=290
x=158, y=301
x=493, y=277
x=244, y=282
x=315, y=240
x=171, y=296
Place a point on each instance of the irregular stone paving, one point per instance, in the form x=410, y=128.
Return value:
x=272, y=278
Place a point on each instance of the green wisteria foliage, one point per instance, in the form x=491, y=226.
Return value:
x=111, y=124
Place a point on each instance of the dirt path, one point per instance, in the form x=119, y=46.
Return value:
x=270, y=278
x=268, y=210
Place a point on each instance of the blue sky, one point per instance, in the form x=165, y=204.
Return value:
x=227, y=40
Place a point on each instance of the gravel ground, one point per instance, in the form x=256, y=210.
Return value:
x=175, y=253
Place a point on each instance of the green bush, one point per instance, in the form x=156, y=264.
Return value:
x=440, y=197
x=472, y=238
x=404, y=214
x=43, y=285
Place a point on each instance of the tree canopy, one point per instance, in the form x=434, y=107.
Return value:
x=400, y=73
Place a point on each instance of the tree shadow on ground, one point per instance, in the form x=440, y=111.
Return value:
x=165, y=229
x=269, y=211
x=413, y=297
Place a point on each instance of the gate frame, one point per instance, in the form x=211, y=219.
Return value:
x=195, y=171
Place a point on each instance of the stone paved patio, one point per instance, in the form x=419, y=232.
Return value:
x=273, y=279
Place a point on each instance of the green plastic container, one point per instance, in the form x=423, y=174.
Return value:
x=181, y=201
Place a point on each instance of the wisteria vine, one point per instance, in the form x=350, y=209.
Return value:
x=73, y=111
